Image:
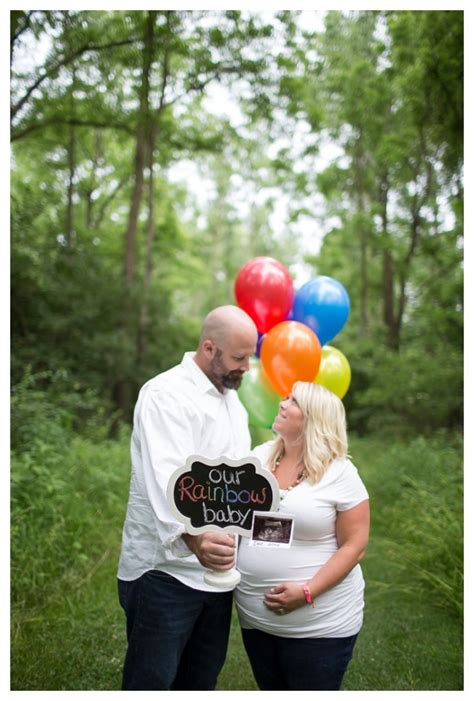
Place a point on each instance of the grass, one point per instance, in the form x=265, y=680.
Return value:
x=68, y=629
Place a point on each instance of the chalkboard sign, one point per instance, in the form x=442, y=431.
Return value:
x=221, y=494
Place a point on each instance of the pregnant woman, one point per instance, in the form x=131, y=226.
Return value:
x=301, y=607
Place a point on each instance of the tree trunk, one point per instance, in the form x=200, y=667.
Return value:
x=140, y=153
x=414, y=237
x=417, y=204
x=123, y=390
x=88, y=194
x=364, y=286
x=364, y=283
x=153, y=137
x=71, y=159
x=150, y=233
x=387, y=273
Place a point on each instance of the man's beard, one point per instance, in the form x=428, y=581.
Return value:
x=219, y=375
x=233, y=379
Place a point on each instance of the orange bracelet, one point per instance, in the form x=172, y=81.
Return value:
x=307, y=595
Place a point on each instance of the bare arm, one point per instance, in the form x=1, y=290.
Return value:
x=352, y=533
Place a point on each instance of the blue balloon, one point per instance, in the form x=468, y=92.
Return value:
x=322, y=304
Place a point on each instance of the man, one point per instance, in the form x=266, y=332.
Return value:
x=177, y=624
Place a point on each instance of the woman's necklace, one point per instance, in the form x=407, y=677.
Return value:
x=301, y=476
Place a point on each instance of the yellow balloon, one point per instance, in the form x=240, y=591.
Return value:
x=334, y=371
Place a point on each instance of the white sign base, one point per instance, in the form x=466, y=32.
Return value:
x=222, y=580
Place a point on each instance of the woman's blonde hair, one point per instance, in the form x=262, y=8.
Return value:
x=324, y=430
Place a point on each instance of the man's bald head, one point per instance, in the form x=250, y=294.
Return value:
x=224, y=322
x=228, y=340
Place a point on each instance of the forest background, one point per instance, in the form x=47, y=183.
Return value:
x=334, y=146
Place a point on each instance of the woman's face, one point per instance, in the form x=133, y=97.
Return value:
x=289, y=422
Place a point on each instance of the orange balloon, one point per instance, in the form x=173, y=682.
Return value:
x=290, y=351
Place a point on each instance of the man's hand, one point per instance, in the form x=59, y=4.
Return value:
x=216, y=551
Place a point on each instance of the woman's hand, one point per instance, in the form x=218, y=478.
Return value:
x=285, y=597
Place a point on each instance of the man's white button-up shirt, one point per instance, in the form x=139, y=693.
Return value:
x=178, y=413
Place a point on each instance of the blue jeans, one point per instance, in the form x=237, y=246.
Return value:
x=297, y=664
x=177, y=636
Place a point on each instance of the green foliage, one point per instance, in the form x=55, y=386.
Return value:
x=52, y=420
x=48, y=408
x=68, y=631
x=428, y=59
x=74, y=188
x=412, y=392
x=418, y=516
x=385, y=89
x=63, y=500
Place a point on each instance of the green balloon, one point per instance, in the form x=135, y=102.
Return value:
x=258, y=396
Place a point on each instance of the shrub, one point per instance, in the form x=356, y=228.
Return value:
x=416, y=390
x=422, y=512
x=64, y=487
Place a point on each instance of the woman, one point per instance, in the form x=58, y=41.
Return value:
x=301, y=607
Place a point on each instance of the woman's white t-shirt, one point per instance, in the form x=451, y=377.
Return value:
x=338, y=612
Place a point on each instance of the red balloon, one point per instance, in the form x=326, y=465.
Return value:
x=264, y=289
x=290, y=351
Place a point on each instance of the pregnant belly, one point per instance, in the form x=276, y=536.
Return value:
x=338, y=611
x=263, y=567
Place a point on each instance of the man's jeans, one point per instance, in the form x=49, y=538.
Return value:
x=177, y=636
x=297, y=664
